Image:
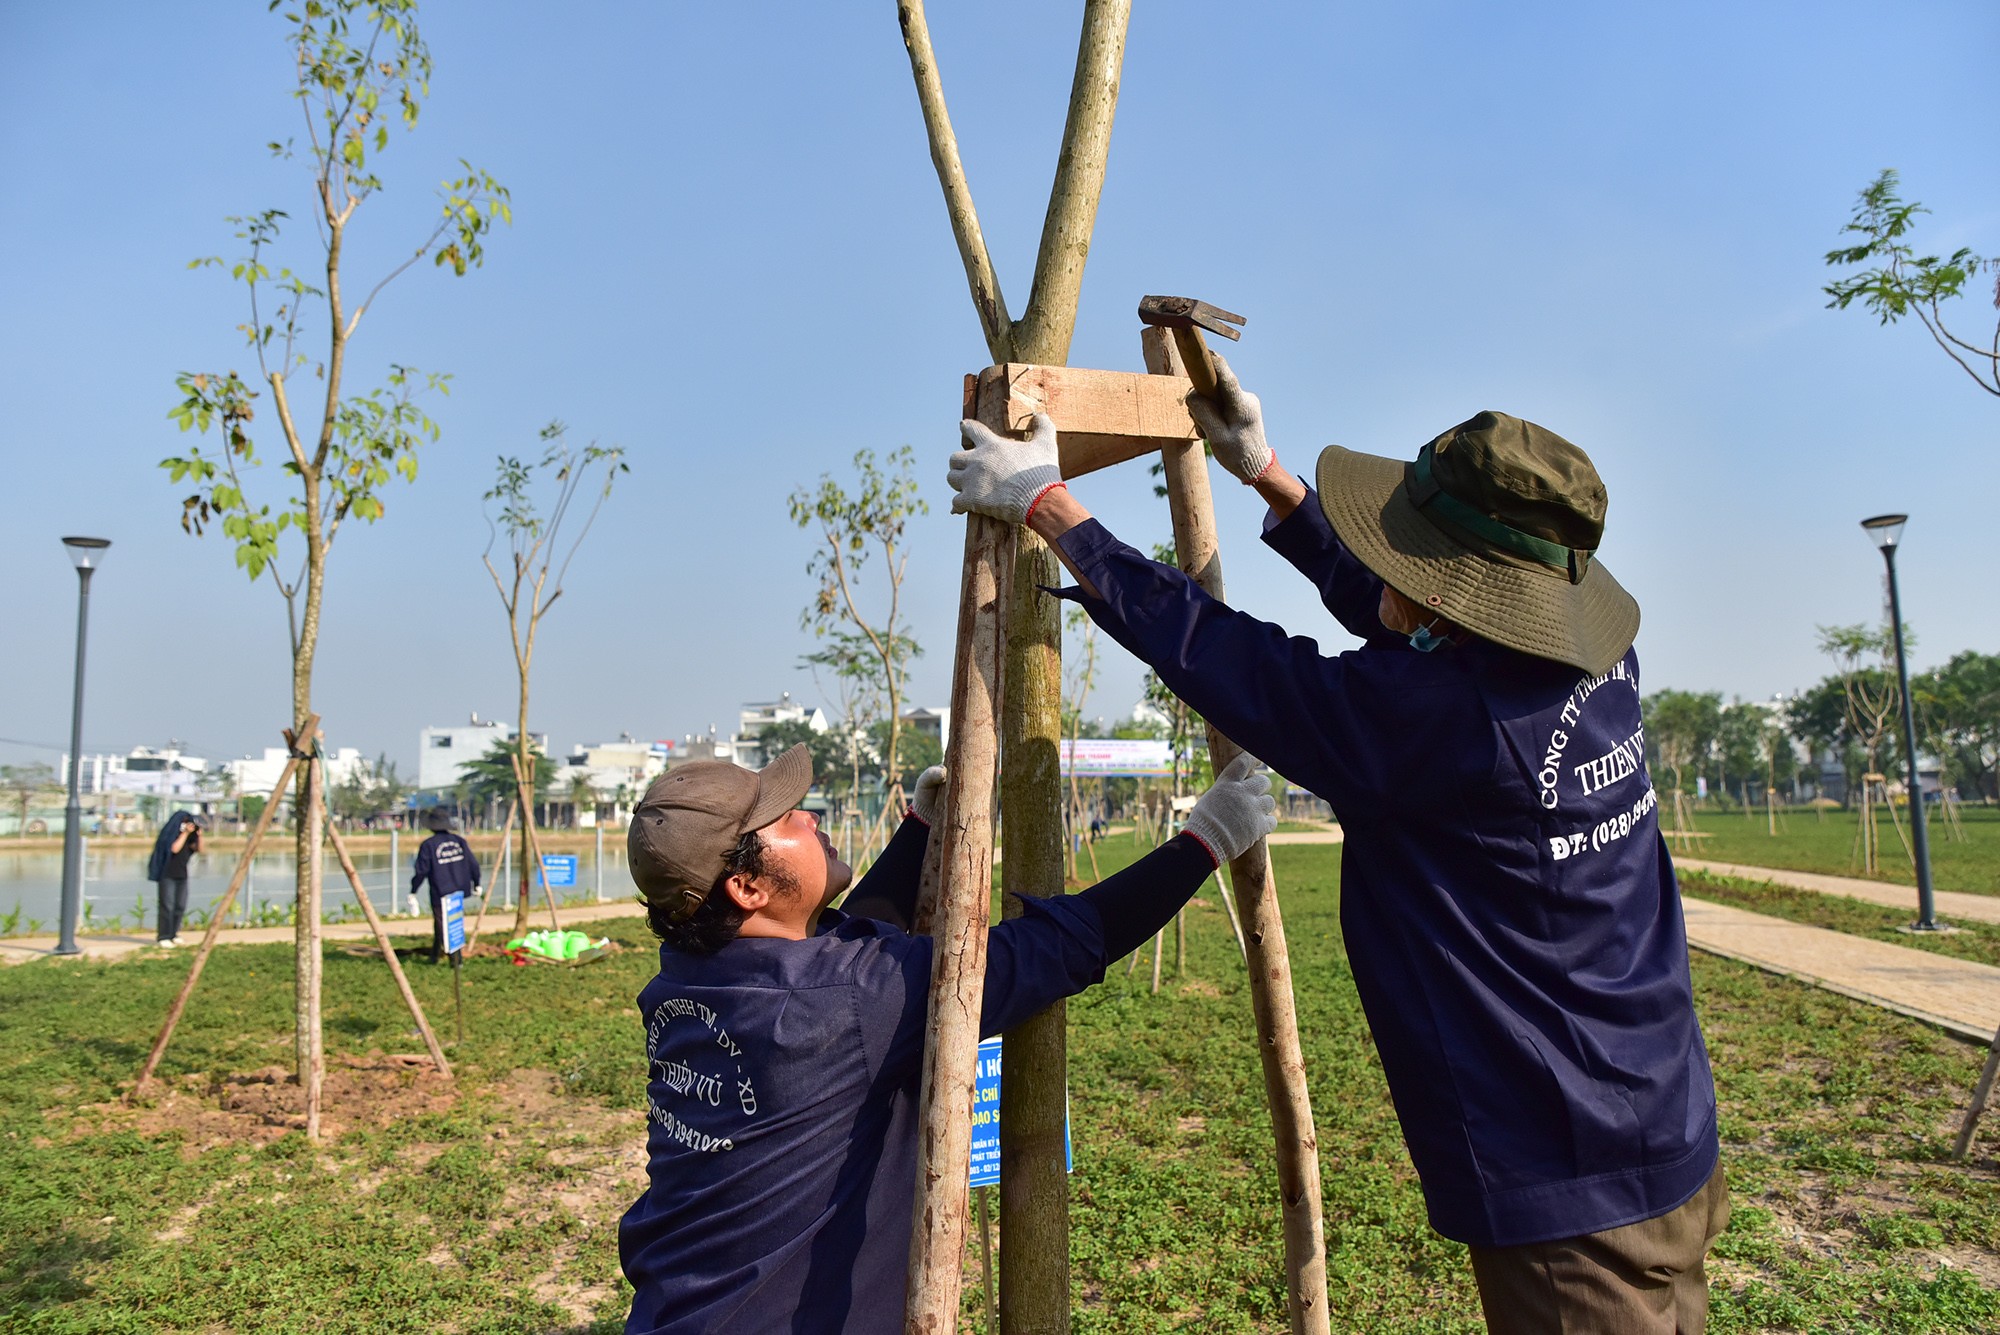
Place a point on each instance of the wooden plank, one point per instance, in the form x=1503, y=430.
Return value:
x=959, y=913
x=1102, y=417
x=1263, y=928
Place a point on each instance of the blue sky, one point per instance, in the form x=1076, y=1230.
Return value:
x=730, y=257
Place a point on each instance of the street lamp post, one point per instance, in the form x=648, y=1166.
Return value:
x=86, y=554
x=1887, y=531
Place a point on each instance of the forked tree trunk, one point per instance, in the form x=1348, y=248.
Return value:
x=1034, y=1241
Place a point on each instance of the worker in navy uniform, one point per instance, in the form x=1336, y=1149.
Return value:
x=785, y=1038
x=448, y=863
x=1508, y=906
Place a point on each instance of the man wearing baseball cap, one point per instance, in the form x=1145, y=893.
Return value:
x=785, y=1038
x=1508, y=905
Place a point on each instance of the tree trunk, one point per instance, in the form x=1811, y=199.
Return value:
x=1256, y=893
x=524, y=777
x=308, y=960
x=309, y=812
x=1034, y=1061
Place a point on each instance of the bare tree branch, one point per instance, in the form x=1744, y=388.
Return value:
x=979, y=274
x=1043, y=335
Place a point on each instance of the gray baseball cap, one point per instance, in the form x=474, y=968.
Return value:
x=692, y=817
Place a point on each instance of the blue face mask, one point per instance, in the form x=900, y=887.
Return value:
x=1423, y=639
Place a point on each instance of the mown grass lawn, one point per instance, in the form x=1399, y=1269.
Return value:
x=1825, y=842
x=493, y=1209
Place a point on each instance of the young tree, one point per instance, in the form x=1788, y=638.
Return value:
x=1873, y=697
x=373, y=789
x=854, y=528
x=1902, y=282
x=534, y=501
x=489, y=779
x=1960, y=703
x=1681, y=728
x=358, y=66
x=582, y=793
x=1869, y=688
x=21, y=783
x=1739, y=747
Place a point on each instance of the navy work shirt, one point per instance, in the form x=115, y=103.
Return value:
x=1510, y=912
x=447, y=862
x=783, y=1084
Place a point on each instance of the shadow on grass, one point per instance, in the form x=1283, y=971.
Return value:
x=44, y=1272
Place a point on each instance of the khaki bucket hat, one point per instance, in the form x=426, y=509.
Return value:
x=691, y=818
x=1495, y=525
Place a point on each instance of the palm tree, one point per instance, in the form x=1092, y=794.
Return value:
x=581, y=793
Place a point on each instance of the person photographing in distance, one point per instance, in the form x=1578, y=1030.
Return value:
x=173, y=850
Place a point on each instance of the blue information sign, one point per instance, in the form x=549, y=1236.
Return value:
x=560, y=868
x=986, y=1119
x=454, y=922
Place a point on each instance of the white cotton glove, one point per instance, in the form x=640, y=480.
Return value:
x=927, y=798
x=1000, y=477
x=1236, y=812
x=1233, y=424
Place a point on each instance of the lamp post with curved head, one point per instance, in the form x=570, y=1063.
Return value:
x=86, y=554
x=1886, y=531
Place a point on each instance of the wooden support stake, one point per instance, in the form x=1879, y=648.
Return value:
x=215, y=925
x=1263, y=927
x=506, y=828
x=1980, y=1093
x=1228, y=898
x=960, y=910
x=382, y=940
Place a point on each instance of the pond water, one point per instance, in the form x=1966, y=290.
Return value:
x=118, y=896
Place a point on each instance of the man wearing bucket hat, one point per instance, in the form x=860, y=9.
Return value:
x=448, y=863
x=785, y=1037
x=1509, y=909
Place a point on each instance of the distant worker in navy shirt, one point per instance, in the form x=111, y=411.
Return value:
x=447, y=862
x=785, y=1038
x=1509, y=909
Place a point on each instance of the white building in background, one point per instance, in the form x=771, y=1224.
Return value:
x=709, y=746
x=618, y=772
x=443, y=753
x=757, y=716
x=164, y=771
x=931, y=721
x=257, y=776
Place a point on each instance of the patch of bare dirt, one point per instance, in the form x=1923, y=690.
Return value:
x=257, y=1107
x=592, y=1165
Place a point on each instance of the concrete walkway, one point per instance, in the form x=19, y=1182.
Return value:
x=1958, y=996
x=21, y=949
x=1950, y=903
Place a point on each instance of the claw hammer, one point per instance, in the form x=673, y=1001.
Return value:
x=1187, y=318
